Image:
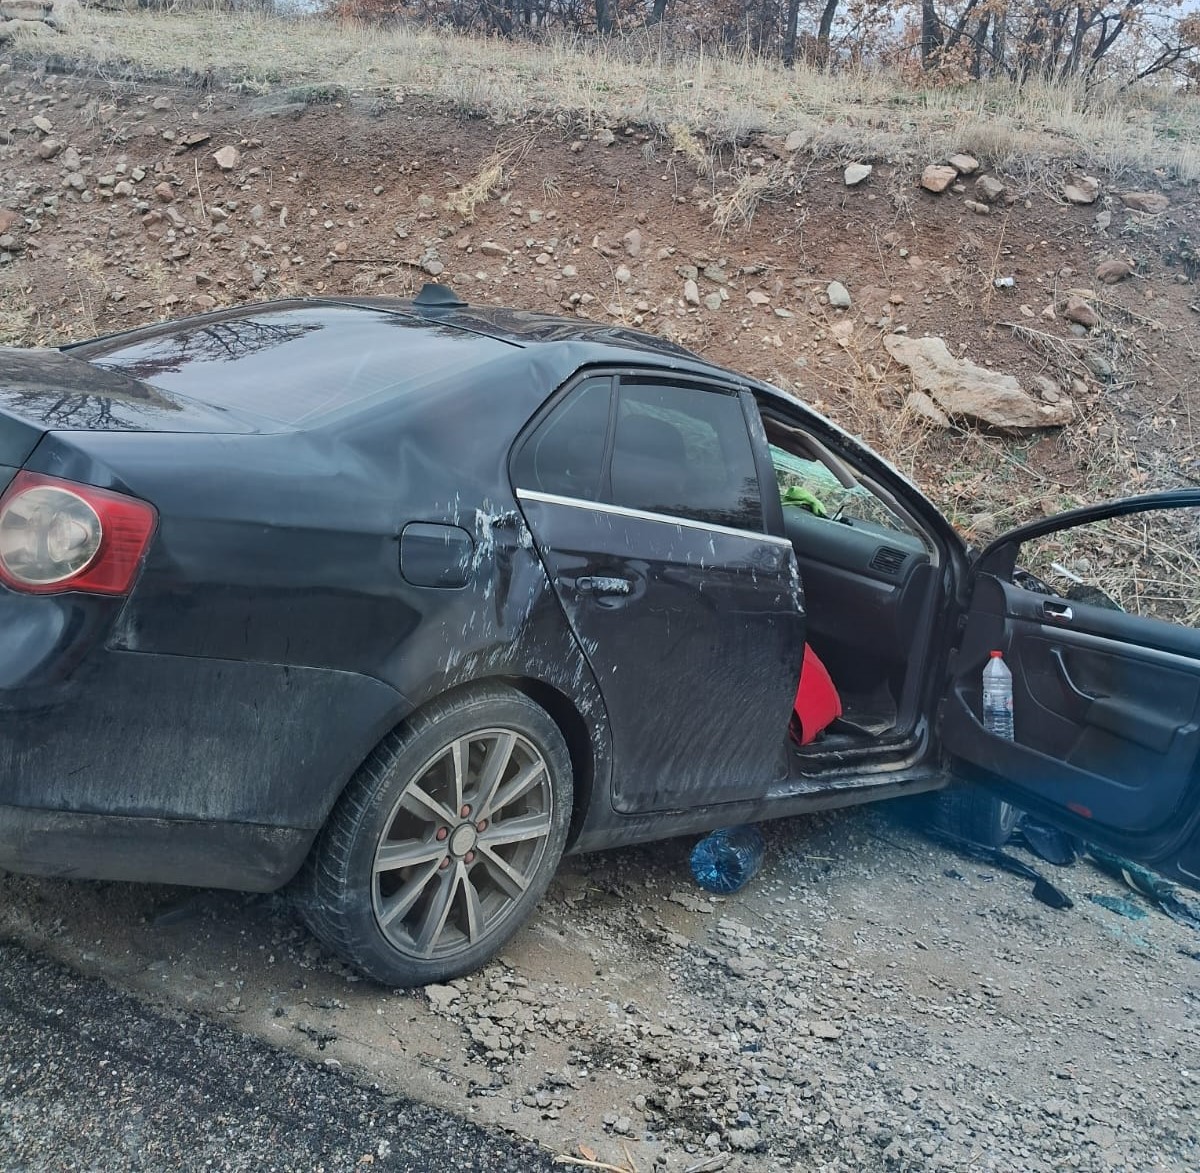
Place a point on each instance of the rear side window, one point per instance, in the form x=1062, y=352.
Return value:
x=565, y=456
x=684, y=451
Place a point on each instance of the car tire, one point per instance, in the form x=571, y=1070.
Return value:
x=444, y=840
x=971, y=813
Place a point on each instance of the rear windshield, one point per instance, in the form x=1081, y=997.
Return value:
x=296, y=365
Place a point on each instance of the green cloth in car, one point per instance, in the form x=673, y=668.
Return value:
x=795, y=495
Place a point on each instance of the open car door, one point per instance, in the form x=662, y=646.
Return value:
x=1106, y=684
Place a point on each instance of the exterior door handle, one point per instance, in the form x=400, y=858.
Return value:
x=1059, y=612
x=603, y=585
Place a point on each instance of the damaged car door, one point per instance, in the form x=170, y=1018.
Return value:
x=1106, y=684
x=644, y=496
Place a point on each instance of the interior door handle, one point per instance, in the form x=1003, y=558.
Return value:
x=1065, y=674
x=1058, y=612
x=603, y=585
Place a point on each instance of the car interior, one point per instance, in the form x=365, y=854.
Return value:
x=869, y=577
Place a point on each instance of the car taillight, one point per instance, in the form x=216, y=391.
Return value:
x=57, y=535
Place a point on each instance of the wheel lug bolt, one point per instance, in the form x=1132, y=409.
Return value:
x=442, y=832
x=465, y=812
x=444, y=864
x=481, y=826
x=469, y=857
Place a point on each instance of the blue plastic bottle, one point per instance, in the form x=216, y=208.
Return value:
x=727, y=859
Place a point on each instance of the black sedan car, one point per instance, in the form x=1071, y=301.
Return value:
x=397, y=601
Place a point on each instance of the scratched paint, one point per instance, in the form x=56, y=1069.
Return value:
x=678, y=590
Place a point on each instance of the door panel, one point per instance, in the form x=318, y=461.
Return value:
x=696, y=635
x=1115, y=724
x=1106, y=708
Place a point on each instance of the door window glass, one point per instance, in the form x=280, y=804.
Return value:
x=686, y=452
x=1144, y=564
x=565, y=455
x=811, y=477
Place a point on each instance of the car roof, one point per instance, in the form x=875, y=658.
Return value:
x=530, y=328
x=522, y=327
x=563, y=345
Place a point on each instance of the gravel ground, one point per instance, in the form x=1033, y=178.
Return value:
x=91, y=1079
x=870, y=1002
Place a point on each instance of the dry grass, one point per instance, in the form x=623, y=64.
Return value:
x=1146, y=564
x=855, y=112
x=737, y=207
x=478, y=189
x=493, y=175
x=685, y=143
x=1063, y=354
x=18, y=316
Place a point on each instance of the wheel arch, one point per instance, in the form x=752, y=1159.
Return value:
x=557, y=705
x=401, y=943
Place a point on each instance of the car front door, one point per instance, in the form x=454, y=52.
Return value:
x=1106, y=683
x=645, y=500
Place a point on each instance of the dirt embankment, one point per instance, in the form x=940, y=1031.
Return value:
x=126, y=203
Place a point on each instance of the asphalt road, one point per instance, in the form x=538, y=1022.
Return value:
x=93, y=1080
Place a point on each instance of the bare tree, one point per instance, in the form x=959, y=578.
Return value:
x=931, y=33
x=825, y=30
x=789, y=33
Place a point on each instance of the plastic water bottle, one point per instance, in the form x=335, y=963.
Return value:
x=727, y=859
x=998, y=697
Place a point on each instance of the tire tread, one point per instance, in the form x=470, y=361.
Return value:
x=970, y=813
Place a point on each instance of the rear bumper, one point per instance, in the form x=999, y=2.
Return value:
x=66, y=844
x=178, y=769
x=176, y=737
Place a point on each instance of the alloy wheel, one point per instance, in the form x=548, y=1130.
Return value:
x=462, y=844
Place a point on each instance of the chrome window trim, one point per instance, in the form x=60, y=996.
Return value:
x=644, y=515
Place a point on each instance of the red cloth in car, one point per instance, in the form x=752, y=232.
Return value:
x=817, y=702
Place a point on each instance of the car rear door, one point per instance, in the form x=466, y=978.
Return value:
x=644, y=496
x=1106, y=694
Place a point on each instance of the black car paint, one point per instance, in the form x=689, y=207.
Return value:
x=628, y=581
x=271, y=607
x=665, y=755
x=281, y=599
x=273, y=600
x=44, y=389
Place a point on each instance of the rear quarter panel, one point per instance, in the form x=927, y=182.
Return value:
x=281, y=552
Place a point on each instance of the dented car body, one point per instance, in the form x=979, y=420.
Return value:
x=358, y=513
